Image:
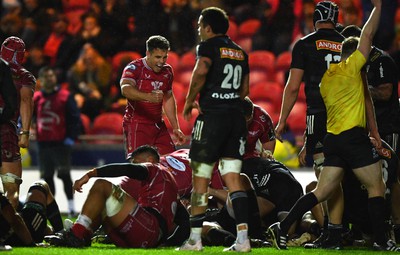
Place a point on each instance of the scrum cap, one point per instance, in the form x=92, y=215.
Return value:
x=326, y=11
x=13, y=49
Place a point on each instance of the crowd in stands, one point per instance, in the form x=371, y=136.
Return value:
x=89, y=42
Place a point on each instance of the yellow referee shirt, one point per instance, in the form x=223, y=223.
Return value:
x=343, y=94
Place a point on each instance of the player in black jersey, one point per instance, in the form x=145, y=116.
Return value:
x=221, y=77
x=311, y=57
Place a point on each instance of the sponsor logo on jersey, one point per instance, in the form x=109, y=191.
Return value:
x=232, y=54
x=232, y=95
x=328, y=45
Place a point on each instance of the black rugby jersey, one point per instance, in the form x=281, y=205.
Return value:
x=221, y=90
x=313, y=54
x=381, y=69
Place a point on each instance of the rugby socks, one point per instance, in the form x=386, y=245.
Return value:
x=240, y=208
x=376, y=207
x=196, y=226
x=71, y=206
x=302, y=205
x=335, y=232
x=82, y=227
x=255, y=230
x=54, y=216
x=396, y=231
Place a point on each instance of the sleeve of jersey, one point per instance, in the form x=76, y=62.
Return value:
x=297, y=56
x=130, y=72
x=386, y=72
x=205, y=50
x=134, y=171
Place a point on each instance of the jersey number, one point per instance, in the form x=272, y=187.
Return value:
x=233, y=77
x=331, y=58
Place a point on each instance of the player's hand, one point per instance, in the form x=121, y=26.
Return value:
x=375, y=139
x=187, y=110
x=279, y=129
x=23, y=141
x=156, y=96
x=80, y=182
x=302, y=156
x=181, y=137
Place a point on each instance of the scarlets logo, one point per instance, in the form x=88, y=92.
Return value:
x=231, y=53
x=328, y=45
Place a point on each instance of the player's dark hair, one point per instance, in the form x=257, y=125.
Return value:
x=146, y=149
x=247, y=106
x=351, y=30
x=349, y=46
x=157, y=42
x=216, y=18
x=44, y=70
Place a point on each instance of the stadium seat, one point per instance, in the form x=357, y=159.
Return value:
x=262, y=59
x=123, y=57
x=296, y=120
x=180, y=91
x=184, y=77
x=267, y=91
x=173, y=60
x=257, y=76
x=248, y=28
x=86, y=123
x=187, y=61
x=233, y=30
x=107, y=123
x=246, y=43
x=283, y=61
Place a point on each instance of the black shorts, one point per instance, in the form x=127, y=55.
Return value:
x=349, y=149
x=34, y=215
x=315, y=132
x=217, y=135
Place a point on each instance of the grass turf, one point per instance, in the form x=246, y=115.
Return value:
x=102, y=249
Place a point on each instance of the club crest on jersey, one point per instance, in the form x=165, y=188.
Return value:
x=328, y=45
x=231, y=53
x=157, y=84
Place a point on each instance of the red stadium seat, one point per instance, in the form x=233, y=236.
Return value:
x=249, y=27
x=257, y=76
x=85, y=123
x=173, y=60
x=283, y=61
x=187, y=61
x=180, y=92
x=267, y=91
x=233, y=30
x=184, y=77
x=123, y=57
x=296, y=120
x=107, y=123
x=262, y=59
x=246, y=43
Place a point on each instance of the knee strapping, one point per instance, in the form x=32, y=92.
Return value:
x=10, y=178
x=230, y=166
x=203, y=170
x=318, y=164
x=115, y=201
x=199, y=199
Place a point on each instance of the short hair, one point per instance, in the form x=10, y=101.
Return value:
x=145, y=149
x=44, y=70
x=351, y=30
x=157, y=42
x=247, y=106
x=349, y=46
x=216, y=18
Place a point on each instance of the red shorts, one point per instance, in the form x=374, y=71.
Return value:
x=140, y=229
x=137, y=134
x=9, y=143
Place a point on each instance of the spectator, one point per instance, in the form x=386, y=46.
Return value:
x=57, y=120
x=90, y=80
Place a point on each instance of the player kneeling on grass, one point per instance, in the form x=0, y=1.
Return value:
x=144, y=222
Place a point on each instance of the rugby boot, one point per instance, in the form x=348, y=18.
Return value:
x=328, y=243
x=279, y=239
x=67, y=239
x=189, y=245
x=389, y=246
x=240, y=247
